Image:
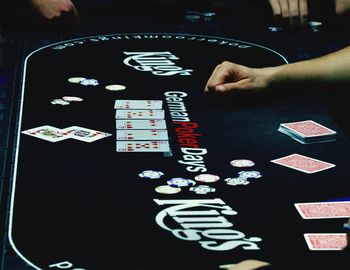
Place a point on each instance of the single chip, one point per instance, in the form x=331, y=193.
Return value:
x=76, y=79
x=275, y=28
x=59, y=102
x=207, y=178
x=181, y=182
x=250, y=174
x=167, y=189
x=88, y=82
x=237, y=181
x=202, y=189
x=241, y=163
x=151, y=174
x=315, y=26
x=115, y=87
x=72, y=99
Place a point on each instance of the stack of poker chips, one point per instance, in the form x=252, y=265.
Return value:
x=307, y=132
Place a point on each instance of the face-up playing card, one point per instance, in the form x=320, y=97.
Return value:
x=138, y=104
x=47, y=133
x=320, y=210
x=303, y=163
x=143, y=146
x=140, y=124
x=326, y=241
x=308, y=128
x=85, y=134
x=136, y=135
x=139, y=114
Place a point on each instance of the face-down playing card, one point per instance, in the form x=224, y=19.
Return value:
x=326, y=241
x=302, y=163
x=320, y=210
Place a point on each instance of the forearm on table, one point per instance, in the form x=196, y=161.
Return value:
x=331, y=69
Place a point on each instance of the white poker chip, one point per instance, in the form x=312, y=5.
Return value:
x=181, y=182
x=115, y=87
x=167, y=189
x=76, y=79
x=72, y=99
x=59, y=102
x=202, y=189
x=207, y=178
x=250, y=174
x=238, y=181
x=150, y=174
x=241, y=163
x=88, y=82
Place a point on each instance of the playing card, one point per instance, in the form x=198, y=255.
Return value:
x=138, y=104
x=326, y=241
x=303, y=163
x=139, y=114
x=47, y=133
x=143, y=146
x=148, y=135
x=315, y=210
x=140, y=124
x=85, y=134
x=308, y=128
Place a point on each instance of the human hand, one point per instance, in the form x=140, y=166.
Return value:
x=53, y=10
x=295, y=12
x=342, y=7
x=231, y=77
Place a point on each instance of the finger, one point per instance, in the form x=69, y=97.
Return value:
x=231, y=87
x=294, y=12
x=276, y=8
x=208, y=85
x=285, y=8
x=219, y=76
x=75, y=12
x=303, y=10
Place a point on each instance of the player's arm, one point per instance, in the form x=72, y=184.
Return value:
x=342, y=7
x=53, y=10
x=294, y=11
x=331, y=69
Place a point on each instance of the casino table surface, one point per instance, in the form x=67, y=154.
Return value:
x=103, y=124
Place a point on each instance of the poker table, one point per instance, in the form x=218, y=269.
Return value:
x=113, y=156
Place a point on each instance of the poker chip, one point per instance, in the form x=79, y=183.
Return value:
x=167, y=189
x=208, y=16
x=237, y=181
x=241, y=163
x=315, y=26
x=207, y=178
x=346, y=227
x=250, y=174
x=193, y=16
x=59, y=102
x=76, y=79
x=150, y=174
x=226, y=266
x=115, y=87
x=88, y=82
x=181, y=182
x=72, y=99
x=202, y=189
x=275, y=28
